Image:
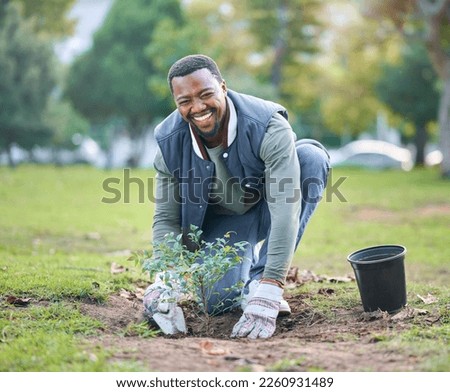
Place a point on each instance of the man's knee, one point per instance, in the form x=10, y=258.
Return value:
x=315, y=163
x=314, y=159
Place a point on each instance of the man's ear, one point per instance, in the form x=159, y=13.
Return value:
x=224, y=87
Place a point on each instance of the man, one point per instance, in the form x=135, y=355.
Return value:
x=229, y=162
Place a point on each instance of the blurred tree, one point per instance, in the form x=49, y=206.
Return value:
x=26, y=81
x=409, y=89
x=49, y=16
x=111, y=79
x=287, y=36
x=222, y=35
x=344, y=81
x=427, y=21
x=66, y=122
x=231, y=33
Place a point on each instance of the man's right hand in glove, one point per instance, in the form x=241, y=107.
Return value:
x=160, y=305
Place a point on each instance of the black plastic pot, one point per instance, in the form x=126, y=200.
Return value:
x=380, y=275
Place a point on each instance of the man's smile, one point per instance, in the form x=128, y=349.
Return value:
x=200, y=118
x=203, y=120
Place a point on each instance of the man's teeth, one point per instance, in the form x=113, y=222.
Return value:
x=204, y=117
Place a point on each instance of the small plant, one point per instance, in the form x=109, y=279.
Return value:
x=194, y=274
x=139, y=329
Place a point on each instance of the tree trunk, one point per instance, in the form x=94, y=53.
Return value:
x=9, y=154
x=280, y=47
x=436, y=19
x=420, y=141
x=444, y=125
x=137, y=140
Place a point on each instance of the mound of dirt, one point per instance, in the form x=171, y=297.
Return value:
x=304, y=340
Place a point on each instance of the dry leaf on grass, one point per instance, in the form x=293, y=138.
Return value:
x=292, y=275
x=325, y=291
x=19, y=302
x=309, y=276
x=127, y=294
x=118, y=269
x=296, y=278
x=429, y=299
x=376, y=315
x=408, y=313
x=210, y=348
x=433, y=319
x=340, y=279
x=139, y=293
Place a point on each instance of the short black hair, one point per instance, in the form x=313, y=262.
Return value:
x=190, y=64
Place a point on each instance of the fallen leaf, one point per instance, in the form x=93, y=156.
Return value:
x=127, y=294
x=433, y=319
x=325, y=291
x=209, y=348
x=296, y=278
x=377, y=314
x=139, y=293
x=309, y=276
x=118, y=269
x=429, y=299
x=408, y=313
x=19, y=302
x=292, y=275
x=340, y=279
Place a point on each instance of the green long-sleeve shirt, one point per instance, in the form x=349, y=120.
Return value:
x=283, y=194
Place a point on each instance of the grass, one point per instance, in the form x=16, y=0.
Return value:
x=58, y=240
x=47, y=338
x=411, y=209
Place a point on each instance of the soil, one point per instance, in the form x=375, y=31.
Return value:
x=303, y=341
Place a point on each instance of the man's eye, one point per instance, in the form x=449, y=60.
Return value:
x=207, y=95
x=182, y=103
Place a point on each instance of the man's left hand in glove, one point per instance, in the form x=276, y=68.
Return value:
x=260, y=314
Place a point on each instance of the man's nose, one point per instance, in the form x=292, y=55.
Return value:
x=198, y=105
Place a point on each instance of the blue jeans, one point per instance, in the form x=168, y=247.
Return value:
x=254, y=225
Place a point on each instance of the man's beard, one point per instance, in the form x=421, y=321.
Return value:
x=210, y=134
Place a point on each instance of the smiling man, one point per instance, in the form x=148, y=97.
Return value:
x=201, y=101
x=229, y=162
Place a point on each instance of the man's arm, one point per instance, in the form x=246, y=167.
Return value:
x=167, y=205
x=283, y=193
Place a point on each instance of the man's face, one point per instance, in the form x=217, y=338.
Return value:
x=201, y=101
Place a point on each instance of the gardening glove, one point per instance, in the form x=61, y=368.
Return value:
x=160, y=305
x=260, y=314
x=249, y=292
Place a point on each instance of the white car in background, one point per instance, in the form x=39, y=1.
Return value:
x=373, y=154
x=434, y=158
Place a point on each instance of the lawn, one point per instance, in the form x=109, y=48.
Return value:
x=61, y=231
